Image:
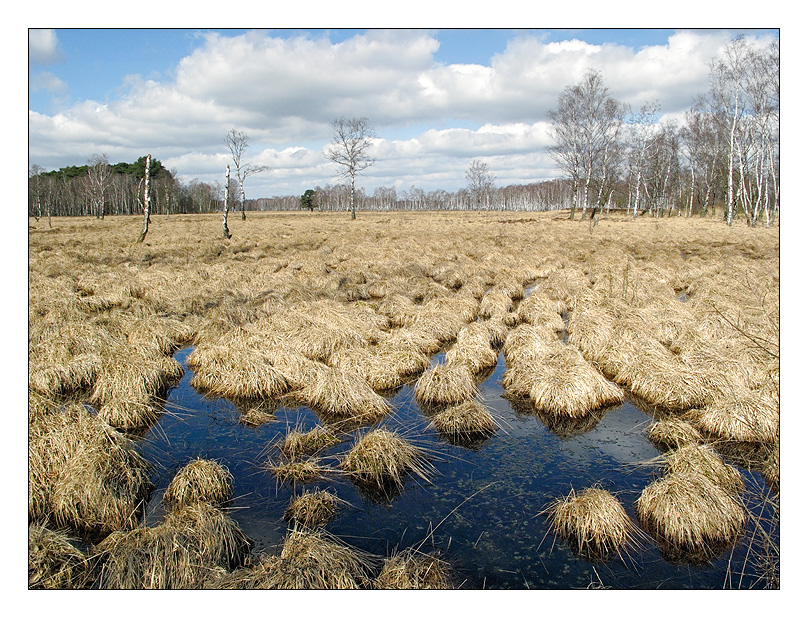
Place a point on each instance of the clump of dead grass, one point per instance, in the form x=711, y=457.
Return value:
x=255, y=413
x=745, y=416
x=73, y=376
x=309, y=559
x=84, y=474
x=382, y=457
x=342, y=395
x=384, y=367
x=690, y=513
x=673, y=432
x=495, y=304
x=312, y=509
x=54, y=561
x=445, y=384
x=569, y=386
x=465, y=422
x=593, y=522
x=236, y=373
x=296, y=470
x=200, y=481
x=186, y=551
x=473, y=349
x=297, y=443
x=538, y=310
x=694, y=458
x=128, y=384
x=412, y=569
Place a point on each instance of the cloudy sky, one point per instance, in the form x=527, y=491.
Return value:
x=436, y=98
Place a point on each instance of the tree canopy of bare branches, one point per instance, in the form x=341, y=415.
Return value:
x=237, y=143
x=479, y=181
x=585, y=127
x=352, y=139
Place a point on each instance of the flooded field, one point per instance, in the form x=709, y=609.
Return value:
x=600, y=355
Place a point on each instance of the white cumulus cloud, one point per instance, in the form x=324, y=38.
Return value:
x=43, y=46
x=432, y=118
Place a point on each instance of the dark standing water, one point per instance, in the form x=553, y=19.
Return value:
x=482, y=507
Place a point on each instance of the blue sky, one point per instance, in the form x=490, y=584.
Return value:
x=436, y=98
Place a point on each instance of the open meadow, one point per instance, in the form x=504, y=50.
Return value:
x=404, y=400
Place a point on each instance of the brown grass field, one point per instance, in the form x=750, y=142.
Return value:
x=679, y=314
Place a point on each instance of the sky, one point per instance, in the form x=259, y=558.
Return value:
x=436, y=98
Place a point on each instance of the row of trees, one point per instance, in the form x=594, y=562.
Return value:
x=726, y=150
x=99, y=188
x=541, y=196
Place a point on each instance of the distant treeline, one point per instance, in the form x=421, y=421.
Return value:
x=99, y=188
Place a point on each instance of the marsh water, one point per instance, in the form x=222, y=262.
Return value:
x=482, y=506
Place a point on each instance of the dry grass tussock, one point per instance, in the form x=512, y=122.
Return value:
x=297, y=471
x=445, y=384
x=382, y=457
x=412, y=569
x=682, y=313
x=593, y=522
x=297, y=443
x=703, y=459
x=200, y=481
x=339, y=395
x=555, y=377
x=465, y=422
x=309, y=559
x=690, y=513
x=54, y=561
x=673, y=432
x=83, y=474
x=191, y=547
x=312, y=509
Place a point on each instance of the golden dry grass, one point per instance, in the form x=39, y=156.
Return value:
x=412, y=569
x=445, y=384
x=197, y=482
x=702, y=459
x=681, y=313
x=187, y=550
x=312, y=509
x=296, y=471
x=554, y=376
x=473, y=349
x=54, y=561
x=341, y=395
x=593, y=522
x=746, y=416
x=382, y=457
x=309, y=559
x=465, y=422
x=690, y=513
x=673, y=432
x=83, y=474
x=297, y=443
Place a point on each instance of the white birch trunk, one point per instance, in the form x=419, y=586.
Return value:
x=146, y=200
x=225, y=231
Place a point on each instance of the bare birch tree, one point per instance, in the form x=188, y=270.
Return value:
x=35, y=186
x=146, y=200
x=225, y=231
x=237, y=144
x=480, y=182
x=585, y=123
x=351, y=141
x=98, y=173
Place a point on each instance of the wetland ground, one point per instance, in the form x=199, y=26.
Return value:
x=598, y=352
